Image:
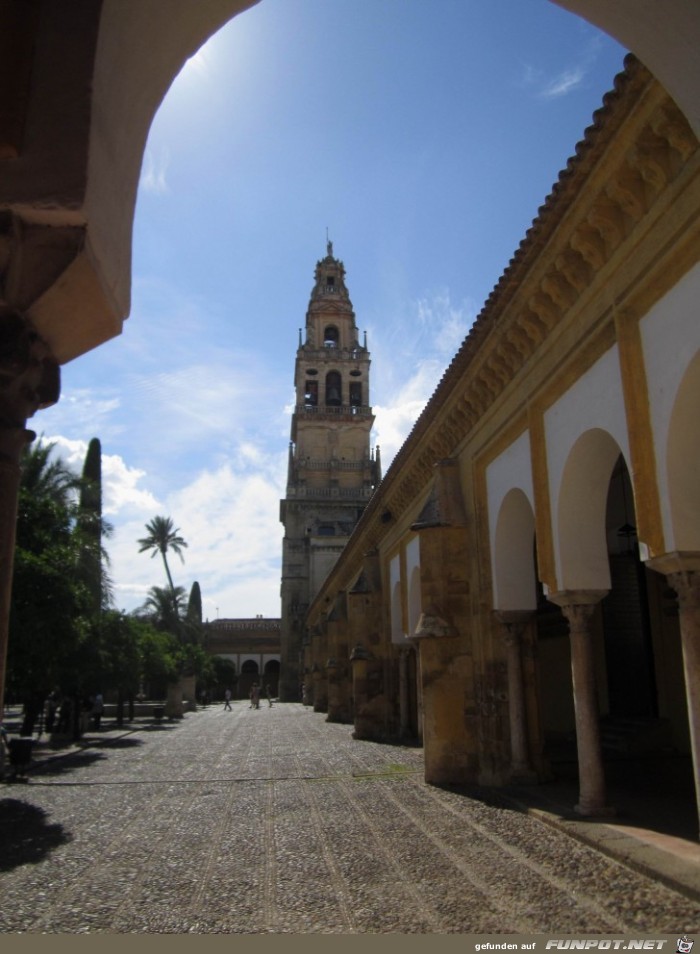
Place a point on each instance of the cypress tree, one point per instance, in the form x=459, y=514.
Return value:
x=194, y=606
x=90, y=525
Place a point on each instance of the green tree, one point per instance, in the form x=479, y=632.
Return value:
x=163, y=609
x=47, y=479
x=91, y=528
x=48, y=644
x=161, y=661
x=120, y=659
x=194, y=605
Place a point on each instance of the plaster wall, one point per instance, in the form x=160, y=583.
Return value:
x=670, y=335
x=511, y=469
x=594, y=401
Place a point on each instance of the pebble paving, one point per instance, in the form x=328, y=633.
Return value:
x=274, y=821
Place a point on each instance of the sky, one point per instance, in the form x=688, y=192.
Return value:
x=421, y=137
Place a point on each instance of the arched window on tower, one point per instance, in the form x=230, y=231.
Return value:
x=355, y=394
x=331, y=337
x=334, y=394
x=311, y=394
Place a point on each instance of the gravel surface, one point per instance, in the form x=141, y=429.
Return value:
x=275, y=821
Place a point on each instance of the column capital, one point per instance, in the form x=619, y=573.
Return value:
x=513, y=622
x=679, y=561
x=566, y=598
x=29, y=374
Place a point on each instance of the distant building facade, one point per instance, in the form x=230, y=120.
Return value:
x=252, y=645
x=332, y=472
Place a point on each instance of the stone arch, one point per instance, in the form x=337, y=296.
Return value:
x=580, y=539
x=683, y=461
x=665, y=41
x=94, y=176
x=514, y=563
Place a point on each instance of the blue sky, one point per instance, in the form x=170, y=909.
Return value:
x=424, y=135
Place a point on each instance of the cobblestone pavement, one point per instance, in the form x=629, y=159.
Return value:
x=275, y=821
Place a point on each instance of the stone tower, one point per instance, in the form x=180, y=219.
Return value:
x=332, y=472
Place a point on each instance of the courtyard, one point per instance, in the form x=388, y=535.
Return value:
x=275, y=821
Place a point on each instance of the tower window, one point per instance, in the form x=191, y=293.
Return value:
x=330, y=280
x=333, y=389
x=355, y=394
x=330, y=336
x=326, y=530
x=311, y=394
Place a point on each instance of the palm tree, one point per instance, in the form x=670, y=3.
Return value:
x=163, y=608
x=163, y=536
x=48, y=479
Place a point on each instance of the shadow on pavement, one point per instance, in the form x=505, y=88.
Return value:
x=122, y=743
x=66, y=763
x=26, y=835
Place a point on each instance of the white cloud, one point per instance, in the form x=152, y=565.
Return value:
x=154, y=172
x=570, y=78
x=409, y=368
x=120, y=490
x=229, y=517
x=564, y=83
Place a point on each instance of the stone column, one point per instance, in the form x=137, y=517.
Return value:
x=578, y=606
x=29, y=380
x=682, y=570
x=404, y=716
x=449, y=713
x=188, y=685
x=514, y=623
x=320, y=694
x=334, y=701
x=174, y=708
x=362, y=718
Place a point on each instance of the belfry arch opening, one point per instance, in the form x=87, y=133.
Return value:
x=331, y=335
x=334, y=389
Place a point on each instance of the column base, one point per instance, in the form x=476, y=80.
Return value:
x=591, y=811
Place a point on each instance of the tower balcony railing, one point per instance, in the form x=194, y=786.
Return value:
x=342, y=410
x=333, y=464
x=328, y=493
x=330, y=351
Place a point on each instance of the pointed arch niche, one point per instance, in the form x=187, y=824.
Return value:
x=514, y=562
x=581, y=512
x=683, y=461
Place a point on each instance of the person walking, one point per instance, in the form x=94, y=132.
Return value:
x=268, y=694
x=255, y=696
x=227, y=702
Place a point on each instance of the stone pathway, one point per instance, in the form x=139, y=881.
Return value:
x=275, y=821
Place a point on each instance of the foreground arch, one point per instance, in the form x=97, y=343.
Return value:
x=71, y=142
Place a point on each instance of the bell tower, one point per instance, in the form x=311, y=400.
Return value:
x=332, y=472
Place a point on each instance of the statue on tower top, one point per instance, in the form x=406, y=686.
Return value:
x=329, y=247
